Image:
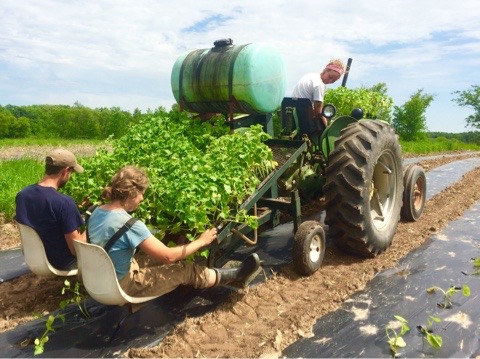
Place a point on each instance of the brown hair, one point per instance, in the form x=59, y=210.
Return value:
x=52, y=170
x=125, y=184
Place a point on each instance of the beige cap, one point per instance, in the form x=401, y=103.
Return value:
x=63, y=158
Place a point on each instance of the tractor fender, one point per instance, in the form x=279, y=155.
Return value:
x=330, y=134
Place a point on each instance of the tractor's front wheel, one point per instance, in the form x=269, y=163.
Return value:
x=363, y=188
x=414, y=193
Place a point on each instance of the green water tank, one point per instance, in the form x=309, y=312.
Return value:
x=227, y=78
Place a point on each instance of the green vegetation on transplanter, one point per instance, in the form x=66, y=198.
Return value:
x=200, y=172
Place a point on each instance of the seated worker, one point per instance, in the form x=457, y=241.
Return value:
x=52, y=214
x=124, y=194
x=312, y=86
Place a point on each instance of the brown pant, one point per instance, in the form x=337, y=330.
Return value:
x=160, y=279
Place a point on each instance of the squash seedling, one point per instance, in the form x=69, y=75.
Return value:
x=39, y=343
x=449, y=293
x=395, y=340
x=476, y=265
x=77, y=298
x=435, y=340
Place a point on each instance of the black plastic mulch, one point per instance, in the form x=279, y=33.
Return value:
x=357, y=329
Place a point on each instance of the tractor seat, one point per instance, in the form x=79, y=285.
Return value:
x=307, y=124
x=99, y=278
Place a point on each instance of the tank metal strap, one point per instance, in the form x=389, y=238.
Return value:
x=232, y=102
x=186, y=61
x=234, y=56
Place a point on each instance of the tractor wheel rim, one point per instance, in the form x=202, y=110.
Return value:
x=418, y=193
x=384, y=189
x=315, y=249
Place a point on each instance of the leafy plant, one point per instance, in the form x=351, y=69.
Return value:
x=476, y=265
x=39, y=343
x=200, y=173
x=435, y=340
x=449, y=293
x=76, y=299
x=395, y=340
x=375, y=103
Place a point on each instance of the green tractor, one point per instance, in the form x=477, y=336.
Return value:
x=354, y=164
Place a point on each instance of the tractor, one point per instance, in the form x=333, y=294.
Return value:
x=353, y=164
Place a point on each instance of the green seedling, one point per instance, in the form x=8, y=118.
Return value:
x=476, y=265
x=395, y=340
x=39, y=343
x=76, y=299
x=449, y=293
x=435, y=340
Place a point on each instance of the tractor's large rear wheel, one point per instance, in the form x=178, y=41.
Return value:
x=364, y=187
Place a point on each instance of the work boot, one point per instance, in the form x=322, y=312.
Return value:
x=240, y=276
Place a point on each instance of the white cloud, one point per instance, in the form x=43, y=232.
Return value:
x=120, y=53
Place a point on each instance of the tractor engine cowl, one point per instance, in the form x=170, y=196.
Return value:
x=228, y=79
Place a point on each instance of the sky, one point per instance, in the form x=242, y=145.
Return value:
x=120, y=53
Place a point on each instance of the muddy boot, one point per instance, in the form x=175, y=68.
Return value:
x=240, y=276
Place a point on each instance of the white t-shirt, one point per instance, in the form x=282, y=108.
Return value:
x=310, y=86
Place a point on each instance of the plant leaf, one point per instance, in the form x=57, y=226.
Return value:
x=435, y=340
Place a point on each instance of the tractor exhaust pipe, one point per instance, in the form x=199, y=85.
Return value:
x=347, y=70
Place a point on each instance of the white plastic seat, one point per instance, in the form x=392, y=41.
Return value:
x=35, y=256
x=98, y=275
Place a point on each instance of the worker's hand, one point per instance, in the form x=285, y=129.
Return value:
x=208, y=236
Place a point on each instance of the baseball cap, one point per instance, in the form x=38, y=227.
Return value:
x=63, y=158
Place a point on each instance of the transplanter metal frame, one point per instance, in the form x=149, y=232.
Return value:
x=266, y=196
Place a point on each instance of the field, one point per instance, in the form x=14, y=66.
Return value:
x=262, y=320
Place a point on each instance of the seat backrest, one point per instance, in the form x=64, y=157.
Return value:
x=98, y=274
x=304, y=111
x=35, y=256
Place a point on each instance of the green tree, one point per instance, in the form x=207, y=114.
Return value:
x=409, y=120
x=6, y=119
x=470, y=98
x=19, y=128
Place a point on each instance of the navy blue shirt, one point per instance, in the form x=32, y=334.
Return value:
x=52, y=214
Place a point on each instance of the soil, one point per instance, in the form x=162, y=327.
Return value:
x=260, y=321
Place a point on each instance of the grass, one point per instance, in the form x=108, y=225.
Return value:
x=11, y=142
x=14, y=175
x=437, y=145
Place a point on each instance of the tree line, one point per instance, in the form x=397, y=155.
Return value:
x=80, y=122
x=63, y=121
